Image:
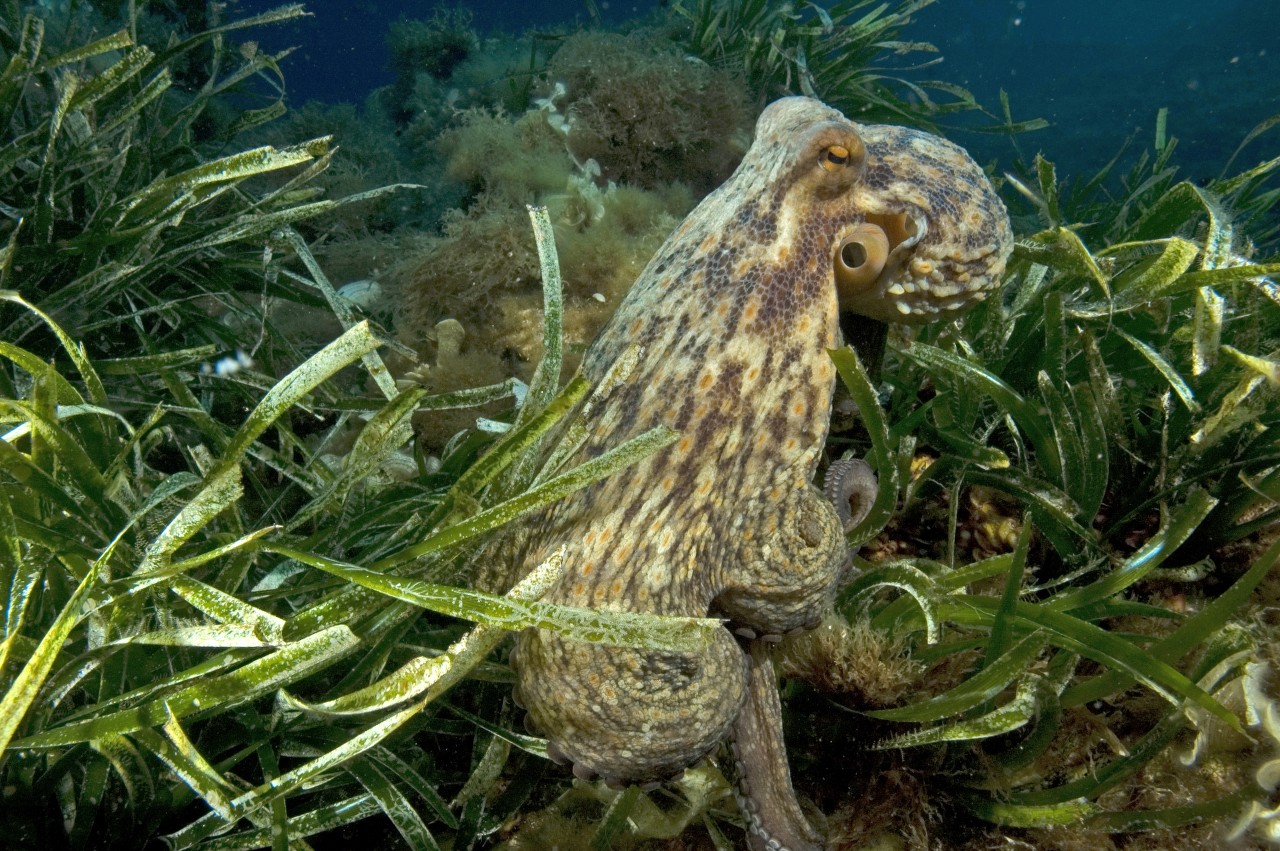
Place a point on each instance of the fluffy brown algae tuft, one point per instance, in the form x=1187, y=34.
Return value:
x=733, y=318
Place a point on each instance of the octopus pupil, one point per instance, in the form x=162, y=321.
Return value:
x=854, y=255
x=833, y=157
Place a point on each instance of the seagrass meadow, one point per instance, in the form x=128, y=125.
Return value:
x=272, y=375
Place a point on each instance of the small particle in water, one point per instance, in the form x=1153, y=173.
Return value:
x=229, y=365
x=598, y=297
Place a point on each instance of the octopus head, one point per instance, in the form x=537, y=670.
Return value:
x=931, y=237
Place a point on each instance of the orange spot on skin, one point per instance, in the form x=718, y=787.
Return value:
x=668, y=483
x=742, y=269
x=707, y=244
x=621, y=553
x=751, y=311
x=605, y=534
x=579, y=589
x=799, y=409
x=587, y=567
x=722, y=309
x=762, y=438
x=636, y=326
x=753, y=373
x=685, y=444
x=803, y=324
x=704, y=487
x=616, y=587
x=791, y=443
x=775, y=494
x=589, y=538
x=748, y=534
x=705, y=382
x=784, y=253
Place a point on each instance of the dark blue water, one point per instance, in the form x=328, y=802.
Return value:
x=1099, y=70
x=342, y=50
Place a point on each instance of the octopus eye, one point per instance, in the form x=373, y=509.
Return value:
x=843, y=157
x=860, y=258
x=834, y=157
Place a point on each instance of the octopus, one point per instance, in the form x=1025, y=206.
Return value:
x=729, y=327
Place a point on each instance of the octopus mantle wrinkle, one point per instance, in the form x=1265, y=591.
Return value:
x=735, y=314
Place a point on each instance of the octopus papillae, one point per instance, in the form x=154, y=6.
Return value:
x=732, y=319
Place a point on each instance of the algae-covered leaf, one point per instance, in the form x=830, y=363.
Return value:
x=424, y=678
x=228, y=609
x=1062, y=814
x=1268, y=368
x=1013, y=715
x=1173, y=534
x=1189, y=635
x=1024, y=413
x=1206, y=336
x=384, y=433
x=157, y=198
x=329, y=817
x=290, y=663
x=1173, y=818
x=291, y=781
x=1048, y=177
x=982, y=686
x=1060, y=248
x=182, y=757
x=1159, y=277
x=393, y=804
x=1002, y=625
x=883, y=455
x=222, y=482
x=617, y=458
x=203, y=635
x=1242, y=404
x=1094, y=642
x=1067, y=441
x=22, y=691
x=403, y=684
x=415, y=781
x=132, y=109
x=546, y=378
x=1175, y=381
x=905, y=577
x=75, y=350
x=119, y=40
x=619, y=628
x=124, y=69
x=615, y=819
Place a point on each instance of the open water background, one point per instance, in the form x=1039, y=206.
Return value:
x=1097, y=69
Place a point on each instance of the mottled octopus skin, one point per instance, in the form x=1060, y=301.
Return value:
x=732, y=318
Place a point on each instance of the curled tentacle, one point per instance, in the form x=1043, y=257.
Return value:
x=851, y=486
